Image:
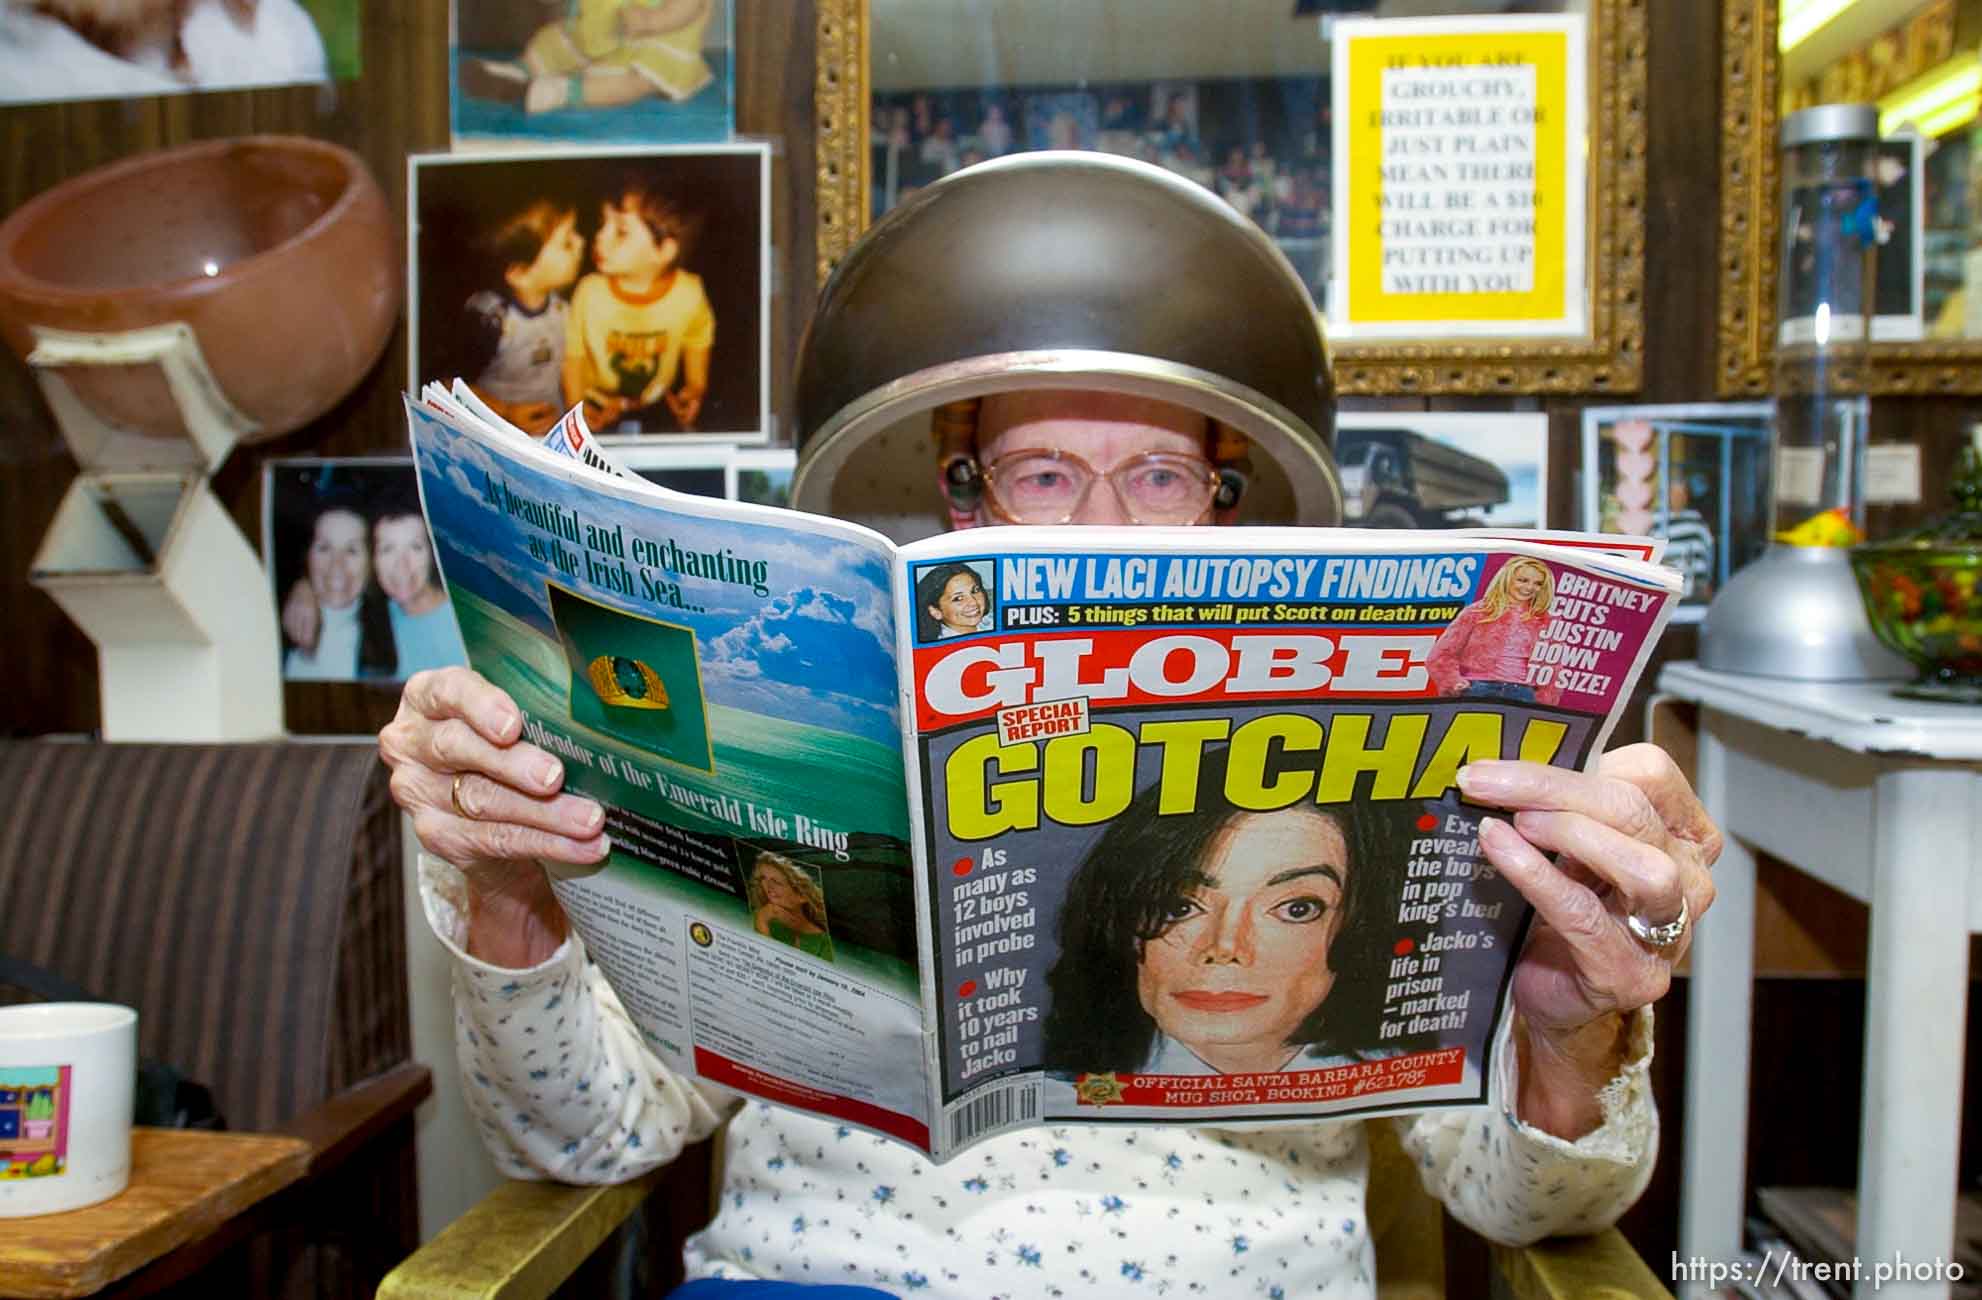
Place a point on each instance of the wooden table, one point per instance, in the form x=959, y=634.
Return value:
x=185, y=1184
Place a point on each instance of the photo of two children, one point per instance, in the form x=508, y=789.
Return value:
x=631, y=282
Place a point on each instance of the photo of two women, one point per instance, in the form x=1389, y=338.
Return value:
x=355, y=585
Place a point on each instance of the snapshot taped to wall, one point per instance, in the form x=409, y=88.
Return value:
x=1422, y=469
x=535, y=71
x=1696, y=475
x=122, y=49
x=351, y=570
x=762, y=475
x=702, y=471
x=632, y=281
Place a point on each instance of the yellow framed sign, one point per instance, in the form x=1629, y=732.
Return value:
x=1460, y=177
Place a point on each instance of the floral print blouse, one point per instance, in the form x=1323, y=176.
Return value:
x=562, y=1088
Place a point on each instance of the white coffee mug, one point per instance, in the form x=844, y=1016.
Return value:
x=67, y=1070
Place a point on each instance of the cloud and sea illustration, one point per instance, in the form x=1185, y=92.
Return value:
x=791, y=627
x=780, y=640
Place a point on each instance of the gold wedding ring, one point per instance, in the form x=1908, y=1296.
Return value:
x=626, y=683
x=456, y=797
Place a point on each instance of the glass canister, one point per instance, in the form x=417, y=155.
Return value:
x=1794, y=612
x=1824, y=306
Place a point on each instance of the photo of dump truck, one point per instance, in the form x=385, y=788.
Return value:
x=1396, y=477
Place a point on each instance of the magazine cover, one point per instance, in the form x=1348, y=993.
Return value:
x=1016, y=825
x=1192, y=823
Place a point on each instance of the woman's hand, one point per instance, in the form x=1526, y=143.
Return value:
x=492, y=804
x=1632, y=839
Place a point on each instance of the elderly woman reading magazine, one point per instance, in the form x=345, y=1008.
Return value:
x=1570, y=1135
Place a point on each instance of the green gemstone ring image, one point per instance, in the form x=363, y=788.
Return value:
x=626, y=683
x=634, y=678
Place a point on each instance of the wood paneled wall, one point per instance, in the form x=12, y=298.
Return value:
x=398, y=106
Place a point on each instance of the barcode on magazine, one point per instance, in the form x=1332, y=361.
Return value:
x=1007, y=1107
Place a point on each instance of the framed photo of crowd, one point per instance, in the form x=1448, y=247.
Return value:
x=1260, y=143
x=633, y=281
x=1284, y=110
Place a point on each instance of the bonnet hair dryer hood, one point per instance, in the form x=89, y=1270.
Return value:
x=1058, y=270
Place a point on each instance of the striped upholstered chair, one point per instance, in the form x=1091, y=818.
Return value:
x=247, y=900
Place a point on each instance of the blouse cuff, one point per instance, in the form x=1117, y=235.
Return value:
x=1629, y=1131
x=444, y=897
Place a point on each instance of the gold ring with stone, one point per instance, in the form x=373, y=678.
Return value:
x=626, y=683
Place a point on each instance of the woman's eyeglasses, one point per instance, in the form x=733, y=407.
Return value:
x=1045, y=486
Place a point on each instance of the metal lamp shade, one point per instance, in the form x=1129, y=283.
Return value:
x=1059, y=270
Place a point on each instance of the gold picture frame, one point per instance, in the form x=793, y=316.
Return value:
x=1609, y=359
x=1751, y=96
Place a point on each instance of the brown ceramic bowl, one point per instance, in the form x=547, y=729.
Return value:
x=278, y=251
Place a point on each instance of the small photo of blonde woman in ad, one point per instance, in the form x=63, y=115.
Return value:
x=787, y=904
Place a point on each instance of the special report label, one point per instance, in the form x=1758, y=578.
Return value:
x=1043, y=721
x=1459, y=176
